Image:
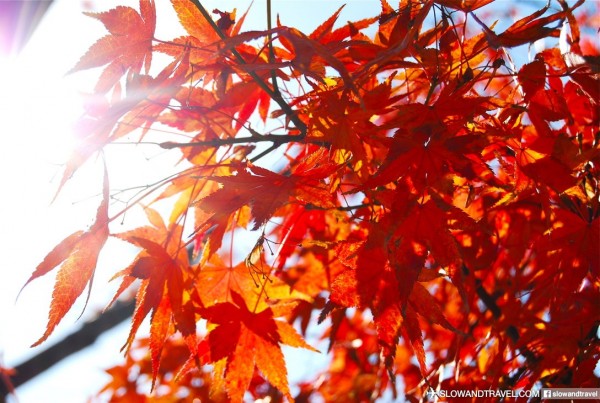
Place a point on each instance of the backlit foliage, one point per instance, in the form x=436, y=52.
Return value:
x=429, y=199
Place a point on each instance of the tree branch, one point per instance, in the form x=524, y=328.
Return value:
x=71, y=344
x=275, y=138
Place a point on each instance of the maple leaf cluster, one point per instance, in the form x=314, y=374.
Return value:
x=434, y=206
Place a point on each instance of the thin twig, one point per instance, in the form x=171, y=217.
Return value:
x=287, y=109
x=271, y=50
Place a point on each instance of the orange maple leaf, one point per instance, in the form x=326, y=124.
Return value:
x=128, y=46
x=78, y=254
x=217, y=283
x=162, y=266
x=194, y=22
x=246, y=340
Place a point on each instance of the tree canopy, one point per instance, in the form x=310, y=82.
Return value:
x=405, y=180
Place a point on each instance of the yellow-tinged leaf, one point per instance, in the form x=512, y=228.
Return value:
x=240, y=365
x=315, y=242
x=217, y=385
x=487, y=355
x=194, y=22
x=155, y=219
x=269, y=360
x=217, y=282
x=290, y=336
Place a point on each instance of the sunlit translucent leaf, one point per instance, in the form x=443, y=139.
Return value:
x=78, y=254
